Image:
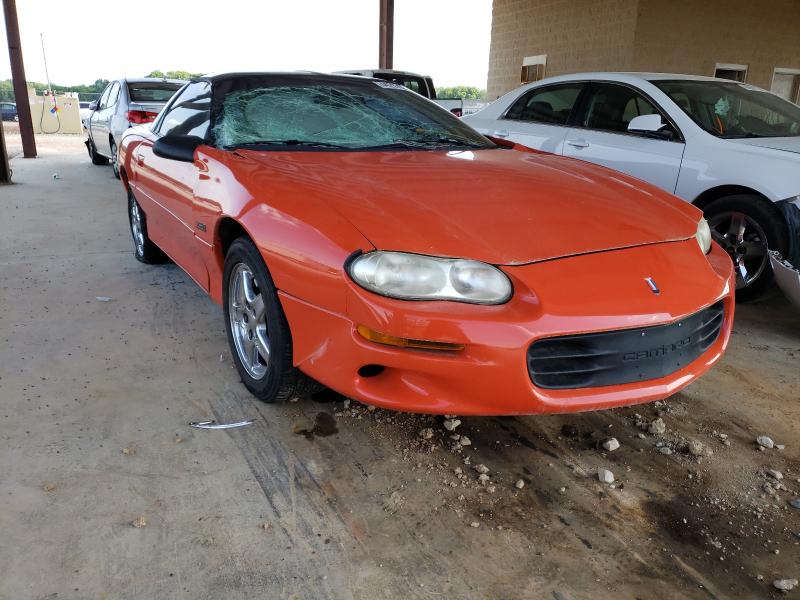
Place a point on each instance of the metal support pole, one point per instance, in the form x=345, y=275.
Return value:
x=386, y=33
x=5, y=169
x=18, y=76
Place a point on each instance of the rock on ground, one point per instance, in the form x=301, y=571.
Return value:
x=765, y=441
x=605, y=476
x=785, y=585
x=611, y=444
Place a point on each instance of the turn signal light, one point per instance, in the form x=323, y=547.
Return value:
x=137, y=117
x=391, y=340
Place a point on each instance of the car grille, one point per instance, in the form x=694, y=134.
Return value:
x=624, y=356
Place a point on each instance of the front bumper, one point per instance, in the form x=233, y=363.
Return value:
x=605, y=291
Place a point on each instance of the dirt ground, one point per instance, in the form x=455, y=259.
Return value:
x=106, y=492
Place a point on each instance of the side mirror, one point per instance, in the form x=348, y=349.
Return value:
x=177, y=147
x=93, y=105
x=646, y=124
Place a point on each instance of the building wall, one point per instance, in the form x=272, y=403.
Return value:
x=576, y=35
x=686, y=36
x=680, y=36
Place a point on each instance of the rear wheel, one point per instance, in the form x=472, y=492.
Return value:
x=97, y=159
x=258, y=333
x=143, y=248
x=114, y=163
x=746, y=228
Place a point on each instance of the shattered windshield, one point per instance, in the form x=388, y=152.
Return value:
x=734, y=110
x=336, y=114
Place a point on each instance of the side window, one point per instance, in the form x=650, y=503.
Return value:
x=103, y=102
x=611, y=107
x=551, y=105
x=190, y=113
x=113, y=94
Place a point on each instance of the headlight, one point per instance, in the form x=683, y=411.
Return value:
x=416, y=277
x=703, y=236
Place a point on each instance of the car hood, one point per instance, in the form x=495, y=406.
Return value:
x=499, y=206
x=788, y=144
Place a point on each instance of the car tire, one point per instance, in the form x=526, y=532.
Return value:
x=746, y=226
x=143, y=247
x=114, y=158
x=255, y=322
x=97, y=159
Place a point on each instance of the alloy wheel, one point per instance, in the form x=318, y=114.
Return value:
x=247, y=313
x=114, y=164
x=745, y=242
x=137, y=227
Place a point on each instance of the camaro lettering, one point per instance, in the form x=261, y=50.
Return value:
x=657, y=352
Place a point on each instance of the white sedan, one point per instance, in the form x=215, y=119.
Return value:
x=730, y=148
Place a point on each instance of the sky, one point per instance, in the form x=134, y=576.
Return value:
x=108, y=39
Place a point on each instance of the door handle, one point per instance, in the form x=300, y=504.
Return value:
x=578, y=143
x=500, y=134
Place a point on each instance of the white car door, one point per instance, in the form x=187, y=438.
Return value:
x=601, y=136
x=538, y=118
x=101, y=119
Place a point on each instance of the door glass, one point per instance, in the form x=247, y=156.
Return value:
x=113, y=95
x=190, y=114
x=552, y=105
x=612, y=107
x=102, y=103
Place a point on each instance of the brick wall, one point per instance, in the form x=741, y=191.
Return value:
x=680, y=36
x=686, y=36
x=576, y=35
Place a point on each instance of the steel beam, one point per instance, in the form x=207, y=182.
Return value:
x=18, y=76
x=386, y=33
x=5, y=169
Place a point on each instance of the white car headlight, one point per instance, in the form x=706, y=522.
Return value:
x=417, y=277
x=703, y=236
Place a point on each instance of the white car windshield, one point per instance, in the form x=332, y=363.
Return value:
x=296, y=113
x=734, y=110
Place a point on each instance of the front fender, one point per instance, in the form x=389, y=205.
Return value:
x=303, y=240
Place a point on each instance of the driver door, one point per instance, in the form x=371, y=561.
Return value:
x=169, y=184
x=602, y=136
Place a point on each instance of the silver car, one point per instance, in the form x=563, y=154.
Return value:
x=123, y=104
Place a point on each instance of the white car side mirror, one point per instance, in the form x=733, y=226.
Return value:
x=646, y=124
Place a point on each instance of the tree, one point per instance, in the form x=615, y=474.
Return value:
x=184, y=75
x=461, y=91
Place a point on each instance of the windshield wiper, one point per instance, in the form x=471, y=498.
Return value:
x=304, y=143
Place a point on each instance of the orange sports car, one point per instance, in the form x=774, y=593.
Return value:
x=359, y=235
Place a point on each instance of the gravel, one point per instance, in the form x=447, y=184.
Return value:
x=520, y=484
x=696, y=448
x=657, y=427
x=774, y=474
x=451, y=424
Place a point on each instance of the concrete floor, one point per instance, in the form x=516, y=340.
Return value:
x=96, y=397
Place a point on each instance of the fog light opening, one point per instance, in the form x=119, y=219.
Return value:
x=371, y=370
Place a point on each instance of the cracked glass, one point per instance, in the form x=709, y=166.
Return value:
x=337, y=114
